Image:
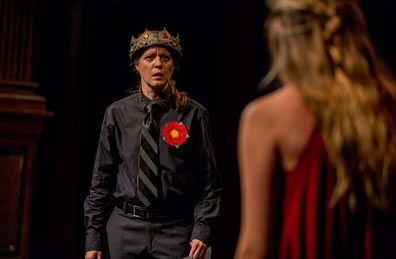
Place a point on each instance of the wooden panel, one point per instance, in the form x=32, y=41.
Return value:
x=12, y=163
x=16, y=39
x=22, y=113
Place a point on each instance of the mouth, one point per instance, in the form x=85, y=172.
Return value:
x=158, y=75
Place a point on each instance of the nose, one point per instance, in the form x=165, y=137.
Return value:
x=157, y=61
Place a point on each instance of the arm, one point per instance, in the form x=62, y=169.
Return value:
x=257, y=155
x=207, y=208
x=98, y=202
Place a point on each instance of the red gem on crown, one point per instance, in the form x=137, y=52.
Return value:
x=165, y=35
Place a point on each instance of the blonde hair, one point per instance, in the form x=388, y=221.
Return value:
x=322, y=47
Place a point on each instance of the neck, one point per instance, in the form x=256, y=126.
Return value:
x=153, y=93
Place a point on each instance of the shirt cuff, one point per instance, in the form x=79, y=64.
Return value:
x=93, y=242
x=201, y=232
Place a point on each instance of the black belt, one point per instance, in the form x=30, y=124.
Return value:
x=149, y=213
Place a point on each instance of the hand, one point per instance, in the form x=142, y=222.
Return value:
x=93, y=255
x=198, y=249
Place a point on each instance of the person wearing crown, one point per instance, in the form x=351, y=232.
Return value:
x=155, y=190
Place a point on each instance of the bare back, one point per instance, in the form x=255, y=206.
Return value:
x=295, y=127
x=292, y=123
x=272, y=126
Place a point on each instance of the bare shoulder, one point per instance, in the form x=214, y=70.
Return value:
x=279, y=119
x=269, y=111
x=285, y=119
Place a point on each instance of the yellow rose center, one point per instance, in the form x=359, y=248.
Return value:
x=174, y=133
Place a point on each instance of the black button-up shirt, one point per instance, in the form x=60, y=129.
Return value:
x=188, y=173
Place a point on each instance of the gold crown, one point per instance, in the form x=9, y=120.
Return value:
x=151, y=38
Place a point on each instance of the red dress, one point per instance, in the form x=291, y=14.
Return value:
x=311, y=229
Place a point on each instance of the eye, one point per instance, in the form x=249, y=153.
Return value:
x=149, y=58
x=165, y=58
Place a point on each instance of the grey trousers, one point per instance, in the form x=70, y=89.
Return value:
x=132, y=238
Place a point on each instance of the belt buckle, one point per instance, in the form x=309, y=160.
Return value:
x=139, y=216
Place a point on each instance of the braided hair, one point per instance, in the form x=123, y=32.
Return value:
x=323, y=48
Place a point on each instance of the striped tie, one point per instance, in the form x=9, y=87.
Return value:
x=148, y=182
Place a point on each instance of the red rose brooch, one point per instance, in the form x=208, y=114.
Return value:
x=175, y=133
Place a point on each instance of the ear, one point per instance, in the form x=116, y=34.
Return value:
x=137, y=66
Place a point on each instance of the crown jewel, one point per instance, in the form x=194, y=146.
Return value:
x=151, y=38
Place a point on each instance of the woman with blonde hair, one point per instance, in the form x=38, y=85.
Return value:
x=317, y=156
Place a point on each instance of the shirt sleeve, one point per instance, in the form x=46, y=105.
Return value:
x=207, y=208
x=98, y=202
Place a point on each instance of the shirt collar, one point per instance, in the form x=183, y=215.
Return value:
x=162, y=101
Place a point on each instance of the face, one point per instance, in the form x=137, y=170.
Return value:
x=155, y=67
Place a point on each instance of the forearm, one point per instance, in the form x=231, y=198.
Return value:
x=97, y=207
x=96, y=215
x=205, y=213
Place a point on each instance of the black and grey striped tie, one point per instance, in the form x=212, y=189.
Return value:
x=148, y=182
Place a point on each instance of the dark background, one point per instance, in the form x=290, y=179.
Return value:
x=82, y=67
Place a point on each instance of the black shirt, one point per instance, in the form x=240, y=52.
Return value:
x=188, y=172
